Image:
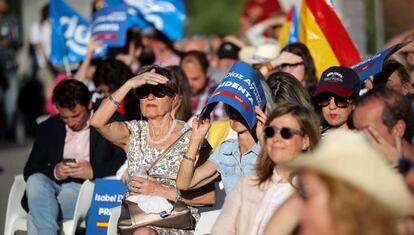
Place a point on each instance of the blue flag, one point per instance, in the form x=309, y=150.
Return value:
x=373, y=64
x=135, y=18
x=294, y=27
x=70, y=33
x=167, y=16
x=242, y=90
x=110, y=25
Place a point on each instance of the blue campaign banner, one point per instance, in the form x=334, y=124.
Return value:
x=242, y=90
x=107, y=194
x=373, y=64
x=110, y=25
x=167, y=16
x=70, y=33
x=135, y=18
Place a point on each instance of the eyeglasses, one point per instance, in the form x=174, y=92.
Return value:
x=285, y=132
x=404, y=165
x=339, y=102
x=288, y=65
x=157, y=91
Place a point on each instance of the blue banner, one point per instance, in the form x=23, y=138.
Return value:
x=242, y=90
x=107, y=194
x=167, y=16
x=70, y=33
x=294, y=27
x=135, y=18
x=373, y=64
x=110, y=25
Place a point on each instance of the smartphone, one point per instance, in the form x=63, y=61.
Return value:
x=68, y=160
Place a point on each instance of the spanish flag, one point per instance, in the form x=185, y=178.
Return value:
x=290, y=29
x=323, y=33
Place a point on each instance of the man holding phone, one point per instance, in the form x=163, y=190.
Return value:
x=66, y=152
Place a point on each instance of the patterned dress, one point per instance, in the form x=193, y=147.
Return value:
x=141, y=155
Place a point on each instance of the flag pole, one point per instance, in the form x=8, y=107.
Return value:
x=67, y=66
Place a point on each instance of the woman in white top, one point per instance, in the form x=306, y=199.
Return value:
x=289, y=130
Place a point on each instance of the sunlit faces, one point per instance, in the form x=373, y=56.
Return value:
x=75, y=118
x=369, y=114
x=394, y=82
x=336, y=110
x=237, y=122
x=315, y=194
x=280, y=149
x=155, y=102
x=293, y=64
x=197, y=78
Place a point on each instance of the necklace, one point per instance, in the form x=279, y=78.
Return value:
x=162, y=140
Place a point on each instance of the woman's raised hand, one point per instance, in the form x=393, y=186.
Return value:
x=200, y=127
x=261, y=120
x=150, y=78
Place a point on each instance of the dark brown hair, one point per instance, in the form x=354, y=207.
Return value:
x=302, y=51
x=396, y=107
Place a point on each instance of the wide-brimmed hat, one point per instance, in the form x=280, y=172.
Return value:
x=341, y=81
x=349, y=157
x=260, y=54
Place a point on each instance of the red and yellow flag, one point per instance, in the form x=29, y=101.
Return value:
x=323, y=33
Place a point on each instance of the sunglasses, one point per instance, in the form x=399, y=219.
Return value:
x=285, y=132
x=404, y=165
x=339, y=102
x=157, y=91
x=288, y=65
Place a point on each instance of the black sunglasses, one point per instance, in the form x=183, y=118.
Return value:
x=339, y=102
x=157, y=91
x=404, y=165
x=286, y=65
x=285, y=132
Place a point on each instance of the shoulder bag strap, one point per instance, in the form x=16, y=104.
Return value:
x=163, y=154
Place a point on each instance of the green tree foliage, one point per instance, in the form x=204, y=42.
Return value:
x=213, y=16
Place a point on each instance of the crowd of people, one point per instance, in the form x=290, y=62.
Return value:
x=328, y=155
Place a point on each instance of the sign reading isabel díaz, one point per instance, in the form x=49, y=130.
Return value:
x=110, y=25
x=241, y=89
x=107, y=194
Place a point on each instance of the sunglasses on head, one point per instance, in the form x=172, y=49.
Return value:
x=339, y=102
x=285, y=132
x=288, y=65
x=157, y=91
x=404, y=165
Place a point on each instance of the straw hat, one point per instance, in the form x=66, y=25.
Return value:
x=349, y=157
x=260, y=54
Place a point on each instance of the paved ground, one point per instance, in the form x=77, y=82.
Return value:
x=12, y=159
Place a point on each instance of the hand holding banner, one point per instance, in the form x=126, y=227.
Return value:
x=70, y=34
x=242, y=90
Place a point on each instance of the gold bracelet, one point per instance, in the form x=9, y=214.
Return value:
x=268, y=66
x=114, y=101
x=189, y=158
